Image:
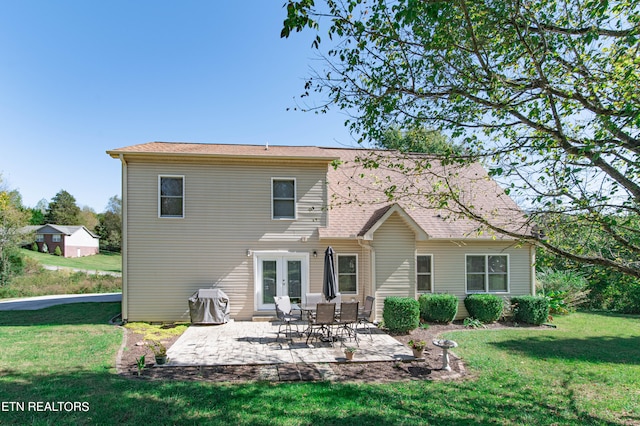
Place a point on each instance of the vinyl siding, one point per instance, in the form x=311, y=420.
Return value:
x=394, y=245
x=81, y=238
x=449, y=266
x=170, y=258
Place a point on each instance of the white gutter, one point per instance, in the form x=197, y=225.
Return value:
x=123, y=245
x=372, y=272
x=532, y=257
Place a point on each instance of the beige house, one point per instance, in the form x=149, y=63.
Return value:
x=255, y=221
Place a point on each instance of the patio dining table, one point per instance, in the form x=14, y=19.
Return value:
x=309, y=310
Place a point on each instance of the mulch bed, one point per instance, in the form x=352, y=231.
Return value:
x=369, y=372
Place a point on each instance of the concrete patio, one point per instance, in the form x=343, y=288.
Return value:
x=247, y=343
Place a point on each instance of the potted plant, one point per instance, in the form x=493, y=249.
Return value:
x=159, y=351
x=417, y=346
x=349, y=351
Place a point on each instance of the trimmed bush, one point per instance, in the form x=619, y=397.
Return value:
x=438, y=307
x=530, y=309
x=57, y=251
x=401, y=314
x=484, y=307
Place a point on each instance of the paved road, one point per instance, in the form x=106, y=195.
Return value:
x=33, y=303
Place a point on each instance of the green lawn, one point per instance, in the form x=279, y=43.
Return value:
x=98, y=262
x=587, y=371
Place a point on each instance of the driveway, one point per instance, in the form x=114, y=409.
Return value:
x=39, y=302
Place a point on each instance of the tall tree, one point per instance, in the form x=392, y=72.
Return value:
x=63, y=210
x=38, y=213
x=544, y=93
x=12, y=218
x=110, y=227
x=88, y=218
x=418, y=139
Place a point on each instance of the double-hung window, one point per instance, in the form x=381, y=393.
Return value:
x=57, y=238
x=171, y=196
x=283, y=195
x=487, y=273
x=348, y=273
x=40, y=238
x=424, y=274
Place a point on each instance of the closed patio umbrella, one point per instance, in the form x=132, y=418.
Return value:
x=329, y=285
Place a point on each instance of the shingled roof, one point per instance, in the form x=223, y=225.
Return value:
x=424, y=195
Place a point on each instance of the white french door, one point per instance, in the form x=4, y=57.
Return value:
x=280, y=274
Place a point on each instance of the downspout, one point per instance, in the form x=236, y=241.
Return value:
x=372, y=273
x=124, y=240
x=532, y=257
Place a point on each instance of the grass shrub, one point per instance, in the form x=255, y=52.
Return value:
x=438, y=307
x=486, y=308
x=530, y=309
x=41, y=282
x=401, y=314
x=566, y=290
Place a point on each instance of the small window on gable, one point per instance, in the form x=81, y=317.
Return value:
x=348, y=274
x=171, y=196
x=283, y=196
x=57, y=238
x=424, y=274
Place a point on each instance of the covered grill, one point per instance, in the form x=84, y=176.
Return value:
x=209, y=306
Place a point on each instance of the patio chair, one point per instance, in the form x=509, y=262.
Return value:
x=311, y=300
x=322, y=323
x=285, y=314
x=365, y=314
x=348, y=318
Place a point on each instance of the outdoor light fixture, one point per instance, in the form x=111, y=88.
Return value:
x=315, y=253
x=248, y=253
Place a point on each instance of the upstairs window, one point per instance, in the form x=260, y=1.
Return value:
x=487, y=273
x=171, y=196
x=283, y=194
x=424, y=274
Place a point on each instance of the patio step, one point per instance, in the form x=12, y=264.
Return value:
x=262, y=318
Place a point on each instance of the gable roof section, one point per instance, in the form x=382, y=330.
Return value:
x=62, y=229
x=381, y=215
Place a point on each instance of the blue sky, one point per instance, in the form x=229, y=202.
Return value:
x=80, y=77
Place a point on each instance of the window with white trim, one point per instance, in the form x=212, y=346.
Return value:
x=57, y=238
x=171, y=196
x=283, y=195
x=487, y=273
x=39, y=238
x=424, y=274
x=348, y=273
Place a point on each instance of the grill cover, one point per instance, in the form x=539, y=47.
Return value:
x=209, y=306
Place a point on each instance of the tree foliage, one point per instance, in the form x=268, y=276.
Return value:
x=110, y=225
x=12, y=218
x=418, y=139
x=63, y=210
x=544, y=94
